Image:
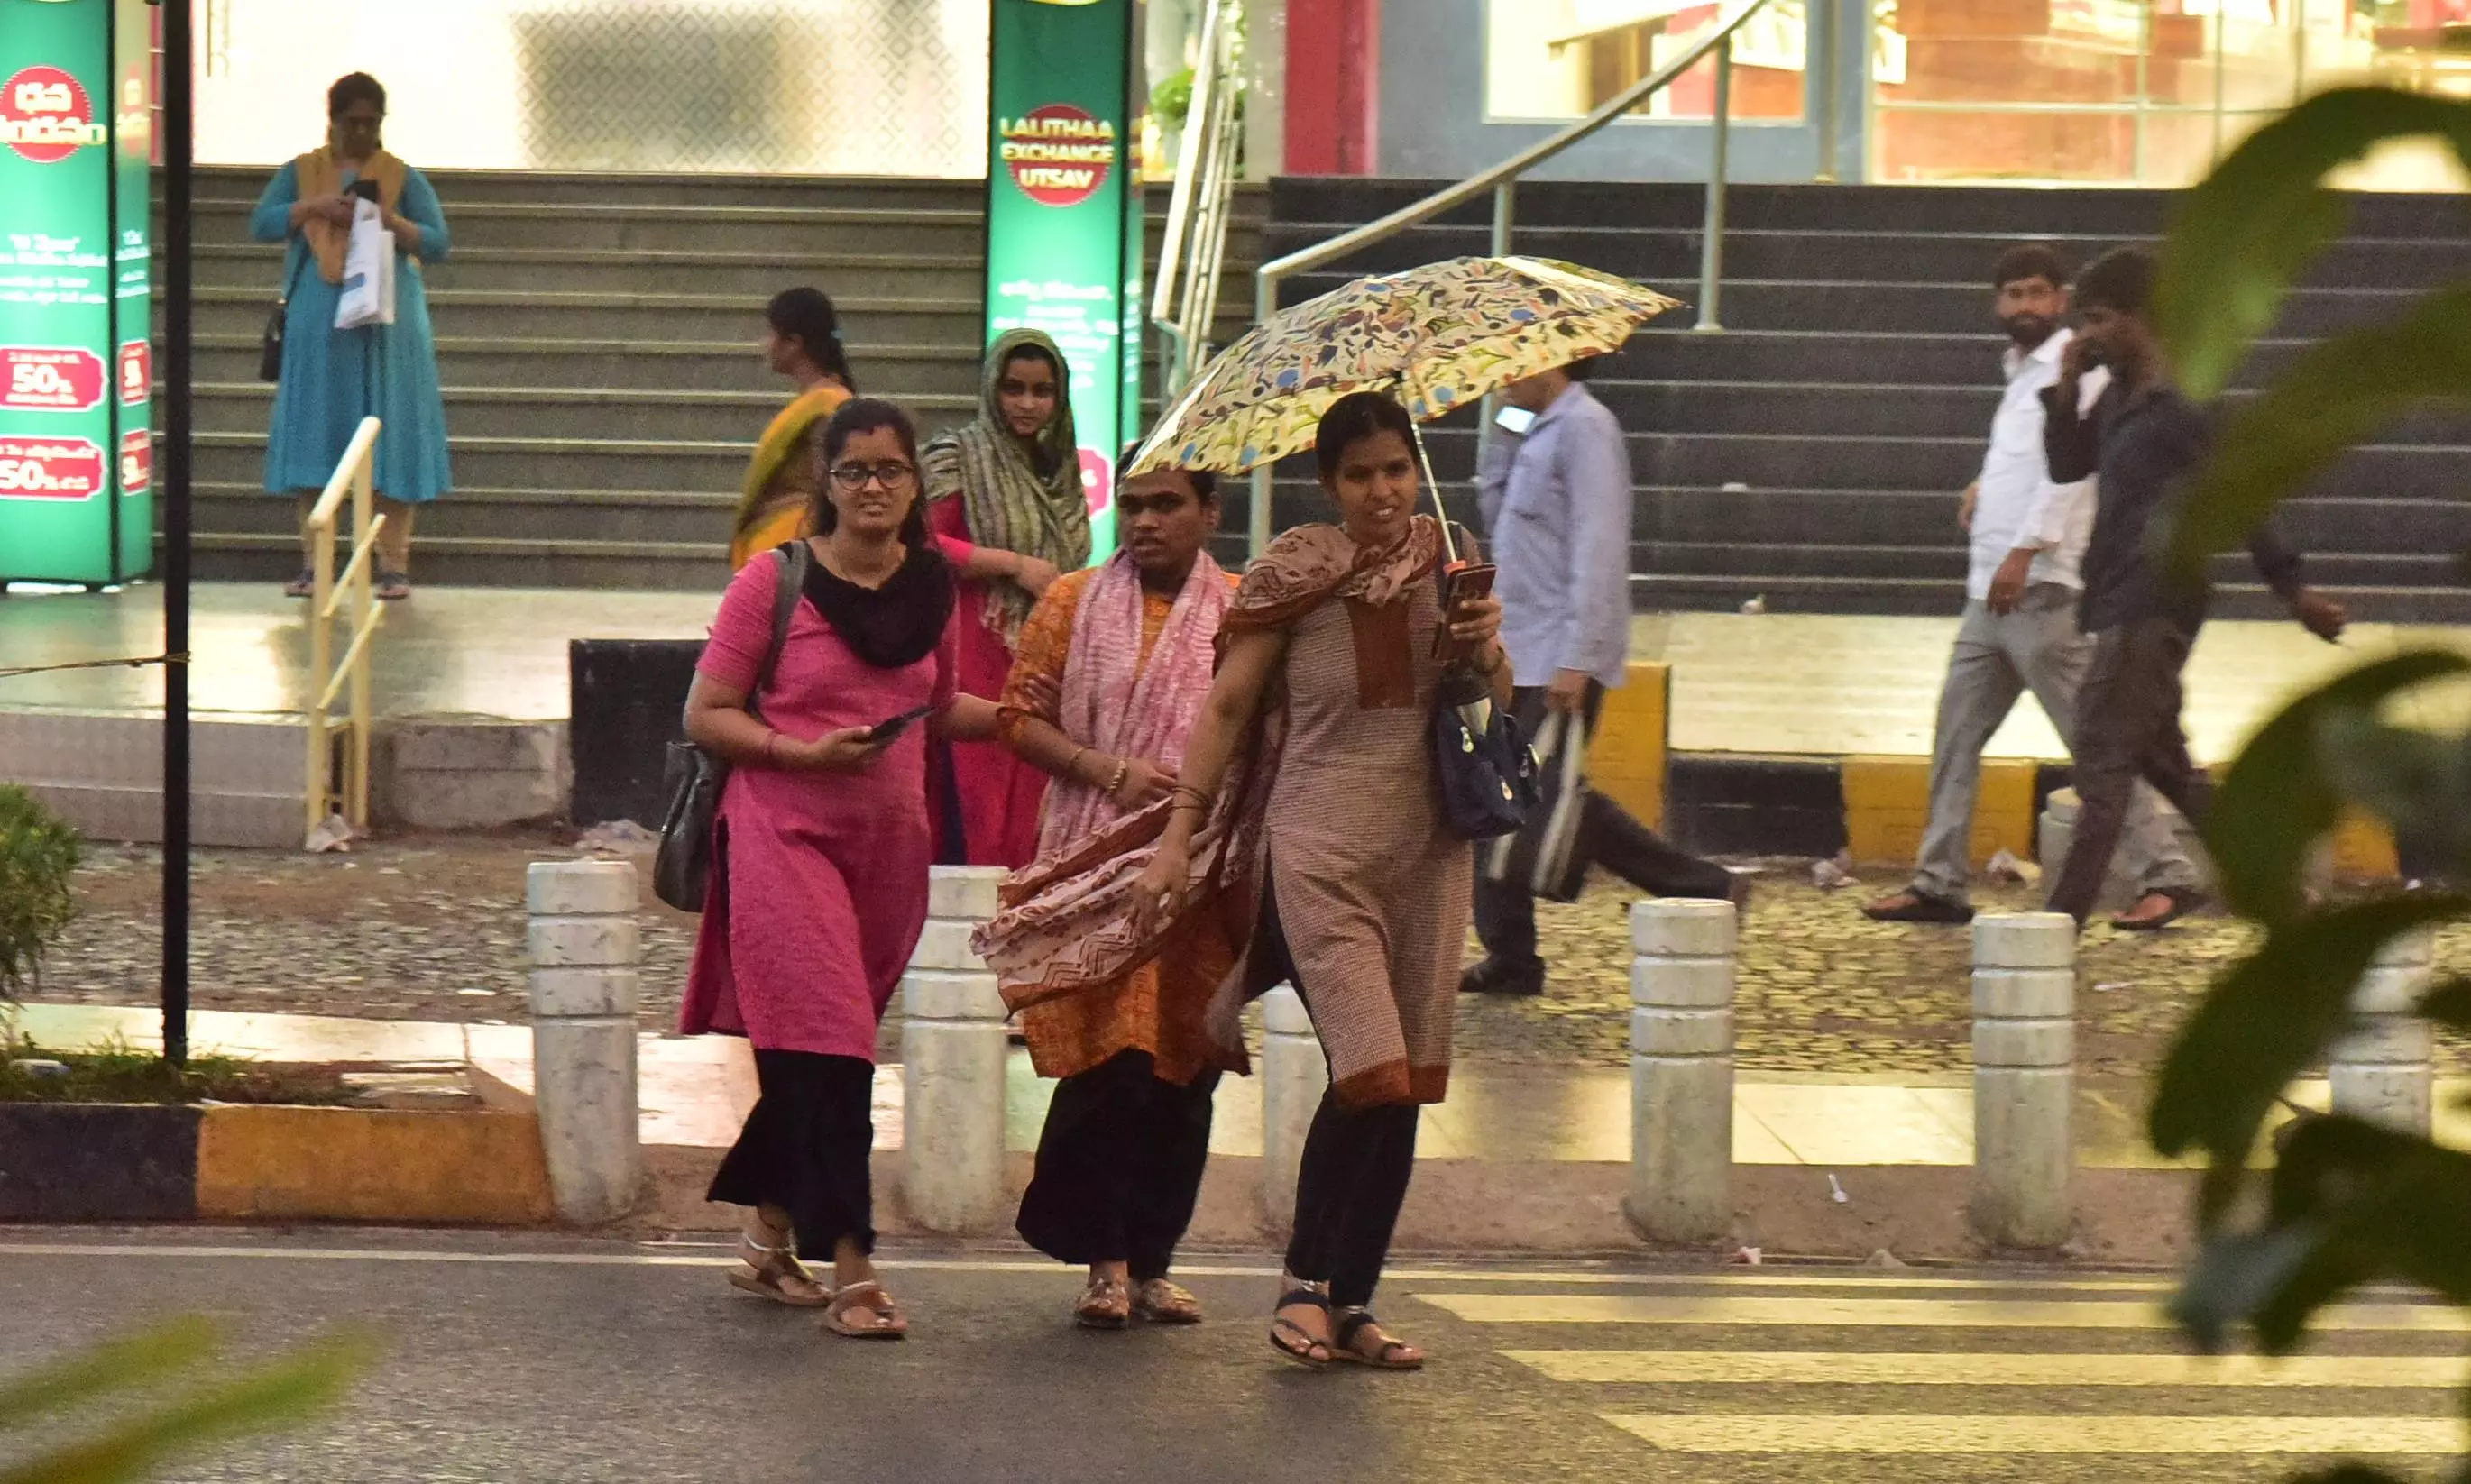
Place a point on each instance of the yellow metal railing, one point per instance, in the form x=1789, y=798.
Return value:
x=327, y=593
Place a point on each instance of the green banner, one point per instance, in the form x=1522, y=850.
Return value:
x=1063, y=211
x=77, y=457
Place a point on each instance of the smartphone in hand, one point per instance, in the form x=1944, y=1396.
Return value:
x=1462, y=582
x=888, y=730
x=366, y=190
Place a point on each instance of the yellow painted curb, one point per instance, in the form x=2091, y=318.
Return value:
x=257, y=1163
x=1626, y=759
x=1887, y=808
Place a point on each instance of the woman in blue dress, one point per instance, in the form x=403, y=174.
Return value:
x=332, y=378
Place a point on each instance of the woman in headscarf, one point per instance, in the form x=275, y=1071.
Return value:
x=1008, y=481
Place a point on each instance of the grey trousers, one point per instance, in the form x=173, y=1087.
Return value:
x=1997, y=658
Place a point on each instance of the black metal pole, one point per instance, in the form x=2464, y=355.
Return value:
x=178, y=146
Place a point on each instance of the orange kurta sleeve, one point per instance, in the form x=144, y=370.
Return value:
x=1046, y=641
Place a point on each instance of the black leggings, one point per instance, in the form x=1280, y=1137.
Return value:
x=1348, y=1193
x=1118, y=1165
x=805, y=1148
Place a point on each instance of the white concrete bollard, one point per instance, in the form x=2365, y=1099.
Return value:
x=583, y=949
x=2024, y=1077
x=1294, y=1076
x=2380, y=1069
x=953, y=1049
x=1682, y=1069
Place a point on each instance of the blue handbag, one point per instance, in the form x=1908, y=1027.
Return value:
x=1482, y=764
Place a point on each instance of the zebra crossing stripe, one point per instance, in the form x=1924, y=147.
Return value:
x=1979, y=1368
x=1535, y=1308
x=1803, y=1432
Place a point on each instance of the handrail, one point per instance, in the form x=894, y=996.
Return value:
x=354, y=475
x=1192, y=247
x=1502, y=180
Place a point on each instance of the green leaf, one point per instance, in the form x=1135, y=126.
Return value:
x=281, y=1393
x=2241, y=235
x=2389, y=1204
x=2279, y=797
x=2264, y=1020
x=2339, y=393
x=2232, y=1276
x=133, y=1361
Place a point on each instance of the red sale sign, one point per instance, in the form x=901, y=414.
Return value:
x=136, y=463
x=50, y=378
x=136, y=371
x=50, y=468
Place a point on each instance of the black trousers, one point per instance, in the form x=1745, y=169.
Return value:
x=805, y=1148
x=1118, y=1166
x=1505, y=912
x=2128, y=727
x=1355, y=1167
x=1352, y=1177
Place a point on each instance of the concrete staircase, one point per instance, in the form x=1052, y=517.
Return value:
x=1810, y=454
x=596, y=343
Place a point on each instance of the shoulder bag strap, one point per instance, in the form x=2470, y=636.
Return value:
x=790, y=584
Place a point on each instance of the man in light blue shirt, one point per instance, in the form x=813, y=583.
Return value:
x=1557, y=504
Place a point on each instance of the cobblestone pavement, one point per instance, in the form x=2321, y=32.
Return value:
x=432, y=929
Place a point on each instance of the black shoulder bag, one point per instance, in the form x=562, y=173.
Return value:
x=269, y=345
x=1482, y=766
x=693, y=777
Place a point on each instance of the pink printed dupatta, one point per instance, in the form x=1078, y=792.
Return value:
x=1119, y=705
x=1065, y=921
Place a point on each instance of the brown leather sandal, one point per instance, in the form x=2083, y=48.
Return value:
x=1105, y=1305
x=890, y=1324
x=1161, y=1302
x=770, y=1271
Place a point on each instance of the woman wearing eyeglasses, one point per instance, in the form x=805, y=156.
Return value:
x=820, y=853
x=1009, y=483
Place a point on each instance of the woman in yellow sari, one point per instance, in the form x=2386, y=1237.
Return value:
x=802, y=340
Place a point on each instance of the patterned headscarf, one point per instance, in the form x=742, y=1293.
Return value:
x=1011, y=506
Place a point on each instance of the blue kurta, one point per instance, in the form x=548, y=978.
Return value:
x=334, y=378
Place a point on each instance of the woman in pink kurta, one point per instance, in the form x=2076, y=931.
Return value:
x=821, y=852
x=1011, y=481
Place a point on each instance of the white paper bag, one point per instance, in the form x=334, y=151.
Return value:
x=369, y=272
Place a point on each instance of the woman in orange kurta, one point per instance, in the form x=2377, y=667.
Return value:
x=1111, y=667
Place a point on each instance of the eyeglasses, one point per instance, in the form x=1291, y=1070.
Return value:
x=892, y=474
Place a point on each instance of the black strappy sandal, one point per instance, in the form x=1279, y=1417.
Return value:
x=1290, y=1339
x=1354, y=1322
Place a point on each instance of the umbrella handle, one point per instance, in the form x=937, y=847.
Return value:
x=1425, y=461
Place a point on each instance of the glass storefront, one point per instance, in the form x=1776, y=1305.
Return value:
x=2143, y=92
x=886, y=87
x=2085, y=92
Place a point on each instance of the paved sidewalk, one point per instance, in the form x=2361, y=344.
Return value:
x=696, y=1090
x=432, y=929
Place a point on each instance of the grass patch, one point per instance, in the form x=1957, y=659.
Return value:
x=119, y=1073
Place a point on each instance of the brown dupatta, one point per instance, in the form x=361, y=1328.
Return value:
x=317, y=173
x=1066, y=920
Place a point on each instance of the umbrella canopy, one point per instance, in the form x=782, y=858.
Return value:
x=1438, y=337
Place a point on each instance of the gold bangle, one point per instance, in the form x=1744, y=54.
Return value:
x=1073, y=764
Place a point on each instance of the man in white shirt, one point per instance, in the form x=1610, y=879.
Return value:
x=2020, y=632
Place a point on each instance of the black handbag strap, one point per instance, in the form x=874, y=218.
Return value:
x=283, y=299
x=794, y=559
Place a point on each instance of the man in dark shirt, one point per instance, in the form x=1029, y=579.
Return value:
x=2141, y=441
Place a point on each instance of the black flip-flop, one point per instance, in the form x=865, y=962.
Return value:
x=1924, y=908
x=2183, y=903
x=1302, y=1350
x=1355, y=1323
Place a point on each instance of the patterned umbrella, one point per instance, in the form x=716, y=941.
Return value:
x=1439, y=337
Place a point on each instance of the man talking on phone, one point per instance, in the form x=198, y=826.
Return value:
x=1557, y=501
x=2141, y=441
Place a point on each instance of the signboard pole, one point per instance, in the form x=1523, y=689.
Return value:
x=179, y=148
x=1064, y=212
